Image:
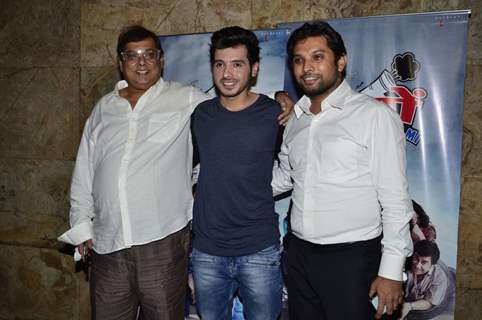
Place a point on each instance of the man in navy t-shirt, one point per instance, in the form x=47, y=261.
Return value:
x=236, y=237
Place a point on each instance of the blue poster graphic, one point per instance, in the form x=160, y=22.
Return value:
x=416, y=65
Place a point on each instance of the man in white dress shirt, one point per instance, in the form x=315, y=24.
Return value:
x=343, y=154
x=131, y=198
x=131, y=191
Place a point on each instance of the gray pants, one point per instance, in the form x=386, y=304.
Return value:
x=151, y=276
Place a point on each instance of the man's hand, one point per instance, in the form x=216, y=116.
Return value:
x=84, y=248
x=286, y=104
x=389, y=294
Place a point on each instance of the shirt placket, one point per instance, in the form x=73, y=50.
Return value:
x=129, y=146
x=308, y=220
x=312, y=157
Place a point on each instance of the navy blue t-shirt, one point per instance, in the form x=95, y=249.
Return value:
x=233, y=211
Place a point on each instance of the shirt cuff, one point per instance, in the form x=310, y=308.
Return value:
x=391, y=267
x=78, y=234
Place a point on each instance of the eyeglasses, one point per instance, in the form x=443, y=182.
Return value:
x=134, y=56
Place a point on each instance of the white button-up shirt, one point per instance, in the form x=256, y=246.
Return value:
x=132, y=179
x=344, y=165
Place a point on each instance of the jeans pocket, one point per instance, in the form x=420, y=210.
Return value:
x=200, y=257
x=269, y=257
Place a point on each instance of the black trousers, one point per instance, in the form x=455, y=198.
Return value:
x=331, y=282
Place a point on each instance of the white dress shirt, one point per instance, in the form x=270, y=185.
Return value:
x=132, y=179
x=344, y=165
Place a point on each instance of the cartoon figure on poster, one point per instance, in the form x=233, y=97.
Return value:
x=399, y=97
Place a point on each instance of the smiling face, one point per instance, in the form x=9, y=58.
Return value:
x=232, y=72
x=314, y=67
x=141, y=73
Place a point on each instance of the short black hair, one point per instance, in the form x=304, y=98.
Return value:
x=426, y=248
x=234, y=36
x=136, y=33
x=317, y=29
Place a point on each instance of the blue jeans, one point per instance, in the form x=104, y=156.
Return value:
x=256, y=277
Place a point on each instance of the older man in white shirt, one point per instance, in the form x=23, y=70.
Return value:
x=131, y=196
x=343, y=154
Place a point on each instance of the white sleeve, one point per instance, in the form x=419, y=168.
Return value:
x=81, y=199
x=388, y=168
x=281, y=181
x=197, y=96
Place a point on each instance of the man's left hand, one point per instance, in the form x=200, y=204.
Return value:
x=286, y=104
x=390, y=295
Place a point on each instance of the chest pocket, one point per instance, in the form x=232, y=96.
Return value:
x=163, y=126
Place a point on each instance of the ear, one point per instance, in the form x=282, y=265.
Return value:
x=341, y=63
x=255, y=69
x=161, y=63
x=121, y=68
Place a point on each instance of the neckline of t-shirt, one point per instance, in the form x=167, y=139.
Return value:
x=255, y=102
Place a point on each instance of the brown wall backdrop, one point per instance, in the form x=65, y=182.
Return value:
x=57, y=57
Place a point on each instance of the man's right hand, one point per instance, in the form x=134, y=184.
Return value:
x=390, y=295
x=286, y=104
x=84, y=248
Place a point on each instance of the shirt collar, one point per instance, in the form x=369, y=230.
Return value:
x=302, y=106
x=123, y=84
x=336, y=100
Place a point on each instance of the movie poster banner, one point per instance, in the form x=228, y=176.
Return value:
x=416, y=65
